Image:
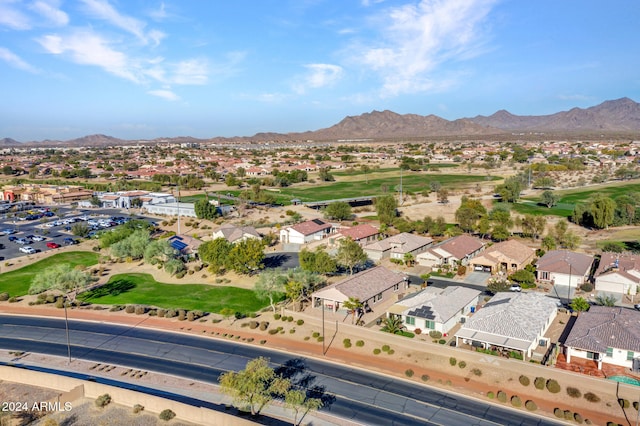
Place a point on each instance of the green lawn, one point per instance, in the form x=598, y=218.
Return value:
x=142, y=289
x=570, y=197
x=411, y=182
x=17, y=282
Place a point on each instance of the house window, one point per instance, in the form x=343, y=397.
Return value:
x=396, y=287
x=630, y=355
x=544, y=275
x=431, y=325
x=609, y=352
x=379, y=296
x=410, y=320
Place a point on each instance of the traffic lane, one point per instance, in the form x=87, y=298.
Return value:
x=231, y=356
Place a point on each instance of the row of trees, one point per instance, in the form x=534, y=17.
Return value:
x=244, y=257
x=601, y=211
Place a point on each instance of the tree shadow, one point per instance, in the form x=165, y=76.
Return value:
x=113, y=288
x=295, y=371
x=276, y=261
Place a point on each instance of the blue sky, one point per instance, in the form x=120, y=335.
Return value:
x=141, y=69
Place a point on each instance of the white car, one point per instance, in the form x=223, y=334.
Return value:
x=38, y=238
x=28, y=250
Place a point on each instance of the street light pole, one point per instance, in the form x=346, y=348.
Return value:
x=323, y=352
x=66, y=326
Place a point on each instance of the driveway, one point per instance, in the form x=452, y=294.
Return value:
x=477, y=278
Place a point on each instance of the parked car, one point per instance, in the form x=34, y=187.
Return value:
x=52, y=245
x=28, y=250
x=637, y=306
x=22, y=241
x=8, y=231
x=38, y=238
x=515, y=287
x=69, y=241
x=12, y=238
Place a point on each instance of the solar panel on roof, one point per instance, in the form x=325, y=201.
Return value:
x=422, y=312
x=178, y=245
x=317, y=222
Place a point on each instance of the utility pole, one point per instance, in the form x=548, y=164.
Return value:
x=178, y=203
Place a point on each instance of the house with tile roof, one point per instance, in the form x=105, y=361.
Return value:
x=563, y=267
x=436, y=308
x=449, y=252
x=506, y=256
x=395, y=247
x=235, y=234
x=362, y=234
x=510, y=322
x=373, y=286
x=618, y=273
x=606, y=334
x=305, y=232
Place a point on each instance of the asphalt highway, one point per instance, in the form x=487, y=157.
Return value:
x=364, y=397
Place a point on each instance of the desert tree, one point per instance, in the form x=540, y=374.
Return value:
x=61, y=277
x=350, y=254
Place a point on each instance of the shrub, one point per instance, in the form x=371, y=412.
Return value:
x=130, y=309
x=274, y=331
x=4, y=296
x=453, y=361
x=531, y=406
x=591, y=397
x=315, y=334
x=360, y=343
x=346, y=343
x=624, y=403
x=162, y=312
x=539, y=383
x=170, y=313
x=50, y=298
x=568, y=415
x=442, y=341
x=558, y=413
x=182, y=315
x=300, y=322
x=435, y=334
x=553, y=386
x=153, y=313
x=376, y=351
x=277, y=316
x=140, y=310
x=253, y=324
x=264, y=325
x=516, y=401
x=167, y=415
x=574, y=392
x=408, y=373
x=425, y=377
x=502, y=396
x=391, y=352
x=191, y=316
x=386, y=348
x=477, y=372
x=13, y=299
x=137, y=408
x=586, y=287
x=462, y=364
x=578, y=418
x=60, y=303
x=491, y=395
x=103, y=400
x=417, y=331
x=320, y=339
x=524, y=380
x=290, y=319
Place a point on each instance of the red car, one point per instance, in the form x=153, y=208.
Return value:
x=51, y=244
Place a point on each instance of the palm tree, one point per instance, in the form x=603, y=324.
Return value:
x=393, y=324
x=352, y=305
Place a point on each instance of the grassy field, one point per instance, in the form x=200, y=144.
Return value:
x=142, y=289
x=17, y=282
x=570, y=197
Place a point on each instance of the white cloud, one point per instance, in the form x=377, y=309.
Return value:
x=13, y=18
x=50, y=10
x=160, y=13
x=192, y=71
x=15, y=61
x=417, y=38
x=102, y=9
x=88, y=48
x=319, y=75
x=164, y=94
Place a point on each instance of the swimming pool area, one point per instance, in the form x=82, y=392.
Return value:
x=625, y=379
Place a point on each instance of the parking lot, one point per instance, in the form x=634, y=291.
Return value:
x=42, y=229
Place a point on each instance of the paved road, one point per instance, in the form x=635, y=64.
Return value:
x=364, y=397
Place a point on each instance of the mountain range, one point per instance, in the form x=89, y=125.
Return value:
x=615, y=116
